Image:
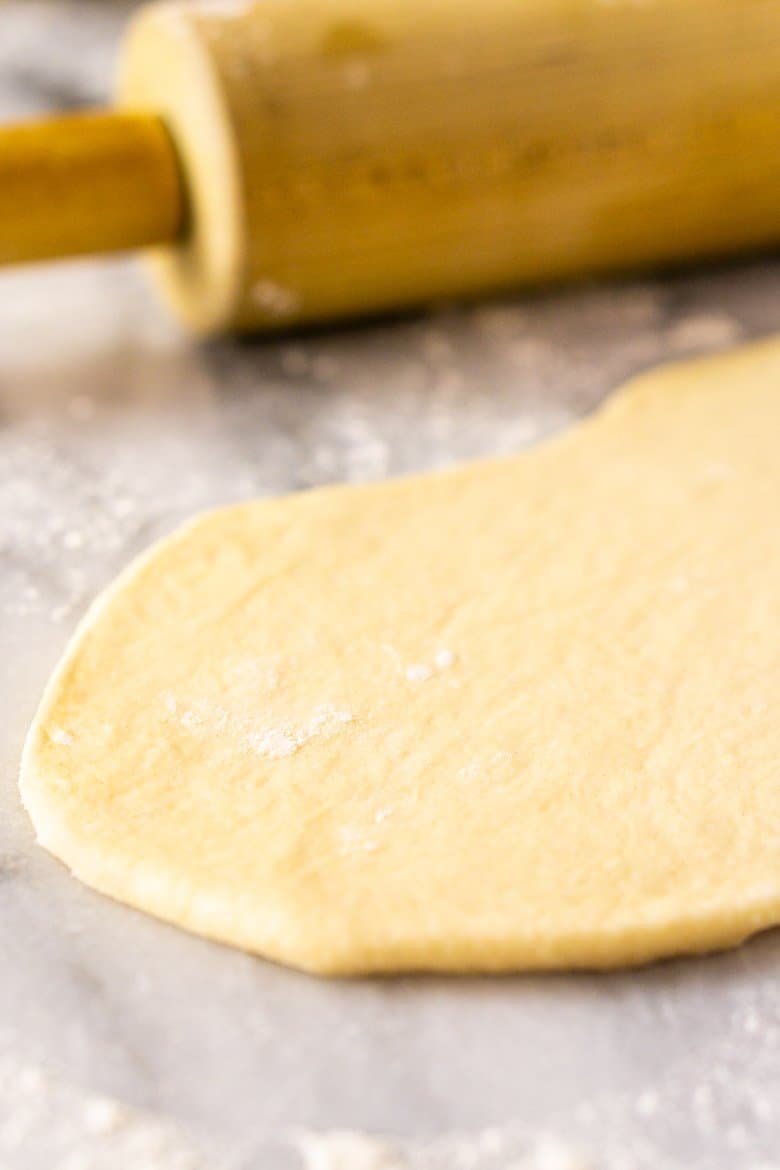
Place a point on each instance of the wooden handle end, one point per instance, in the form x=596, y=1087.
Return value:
x=87, y=183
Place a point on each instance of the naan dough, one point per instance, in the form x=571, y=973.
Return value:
x=516, y=715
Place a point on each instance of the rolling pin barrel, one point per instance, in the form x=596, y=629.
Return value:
x=362, y=155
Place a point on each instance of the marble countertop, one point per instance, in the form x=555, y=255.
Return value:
x=126, y=1043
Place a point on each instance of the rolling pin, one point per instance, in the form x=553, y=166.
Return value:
x=289, y=161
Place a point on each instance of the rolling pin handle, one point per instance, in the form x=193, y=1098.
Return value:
x=87, y=183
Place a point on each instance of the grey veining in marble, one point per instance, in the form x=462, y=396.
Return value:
x=113, y=428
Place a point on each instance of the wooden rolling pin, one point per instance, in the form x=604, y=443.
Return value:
x=293, y=160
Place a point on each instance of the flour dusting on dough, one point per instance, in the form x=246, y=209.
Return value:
x=272, y=740
x=248, y=683
x=422, y=671
x=277, y=742
x=479, y=767
x=418, y=672
x=353, y=840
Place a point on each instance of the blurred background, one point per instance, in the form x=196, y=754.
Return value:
x=126, y=1043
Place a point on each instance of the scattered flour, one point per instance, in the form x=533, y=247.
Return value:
x=647, y=1103
x=422, y=671
x=46, y=1122
x=353, y=840
x=481, y=767
x=276, y=299
x=717, y=1107
x=273, y=740
x=102, y=1115
x=419, y=672
x=169, y=702
x=550, y=1153
x=47, y=542
x=703, y=331
x=276, y=742
x=343, y=1150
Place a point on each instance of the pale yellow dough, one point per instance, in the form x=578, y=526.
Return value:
x=517, y=715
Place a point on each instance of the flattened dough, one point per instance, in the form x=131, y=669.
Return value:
x=517, y=715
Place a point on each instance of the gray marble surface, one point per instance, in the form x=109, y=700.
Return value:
x=113, y=428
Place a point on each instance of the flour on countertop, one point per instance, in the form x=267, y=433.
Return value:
x=102, y=1115
x=722, y=1096
x=721, y=1104
x=344, y=1150
x=46, y=1123
x=704, y=331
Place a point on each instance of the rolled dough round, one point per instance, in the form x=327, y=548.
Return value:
x=516, y=715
